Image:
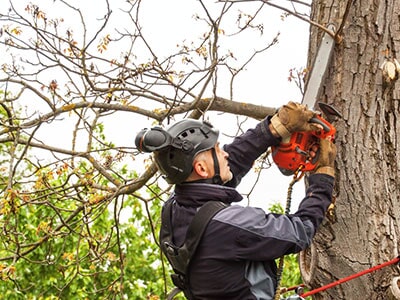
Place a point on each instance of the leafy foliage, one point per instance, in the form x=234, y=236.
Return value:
x=92, y=257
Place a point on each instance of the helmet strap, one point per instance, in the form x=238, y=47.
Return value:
x=217, y=177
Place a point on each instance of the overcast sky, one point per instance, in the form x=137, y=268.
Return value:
x=265, y=81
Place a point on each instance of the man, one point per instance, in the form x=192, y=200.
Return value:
x=235, y=258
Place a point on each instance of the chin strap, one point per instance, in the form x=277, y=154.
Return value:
x=217, y=177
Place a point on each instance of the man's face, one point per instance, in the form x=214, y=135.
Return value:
x=209, y=170
x=224, y=170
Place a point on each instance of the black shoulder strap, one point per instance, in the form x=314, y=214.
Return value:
x=199, y=223
x=180, y=257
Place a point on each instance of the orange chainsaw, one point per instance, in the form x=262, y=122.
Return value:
x=294, y=155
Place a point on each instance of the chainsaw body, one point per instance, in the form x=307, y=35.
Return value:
x=294, y=155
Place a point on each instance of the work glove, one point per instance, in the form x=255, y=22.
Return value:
x=326, y=158
x=293, y=117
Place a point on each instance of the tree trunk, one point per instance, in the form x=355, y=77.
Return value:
x=364, y=230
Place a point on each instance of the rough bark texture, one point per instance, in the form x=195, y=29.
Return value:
x=364, y=231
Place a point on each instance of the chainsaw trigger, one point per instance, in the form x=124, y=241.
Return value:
x=317, y=120
x=300, y=151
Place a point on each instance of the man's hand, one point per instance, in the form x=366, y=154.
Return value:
x=293, y=117
x=326, y=158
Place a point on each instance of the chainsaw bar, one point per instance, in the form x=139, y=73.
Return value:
x=319, y=69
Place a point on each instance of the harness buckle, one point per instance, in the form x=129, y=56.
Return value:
x=171, y=249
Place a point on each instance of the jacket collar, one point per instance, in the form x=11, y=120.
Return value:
x=196, y=194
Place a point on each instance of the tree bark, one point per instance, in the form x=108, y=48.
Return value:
x=364, y=230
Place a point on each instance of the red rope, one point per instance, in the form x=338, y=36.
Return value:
x=335, y=283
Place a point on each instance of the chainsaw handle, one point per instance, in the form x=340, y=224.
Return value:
x=318, y=120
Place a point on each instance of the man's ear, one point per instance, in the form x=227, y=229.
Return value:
x=201, y=169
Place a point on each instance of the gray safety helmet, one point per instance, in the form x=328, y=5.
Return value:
x=175, y=148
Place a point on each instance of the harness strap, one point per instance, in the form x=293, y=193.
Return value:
x=180, y=257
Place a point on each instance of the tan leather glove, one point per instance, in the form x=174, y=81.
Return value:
x=326, y=158
x=293, y=117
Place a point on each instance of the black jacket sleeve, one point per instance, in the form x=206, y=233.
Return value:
x=246, y=148
x=259, y=236
x=317, y=200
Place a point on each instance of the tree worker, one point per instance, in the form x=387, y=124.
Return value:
x=235, y=258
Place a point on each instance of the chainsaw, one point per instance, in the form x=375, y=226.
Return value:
x=294, y=155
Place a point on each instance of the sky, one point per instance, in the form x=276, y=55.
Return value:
x=264, y=81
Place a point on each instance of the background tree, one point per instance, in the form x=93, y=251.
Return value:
x=362, y=84
x=79, y=210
